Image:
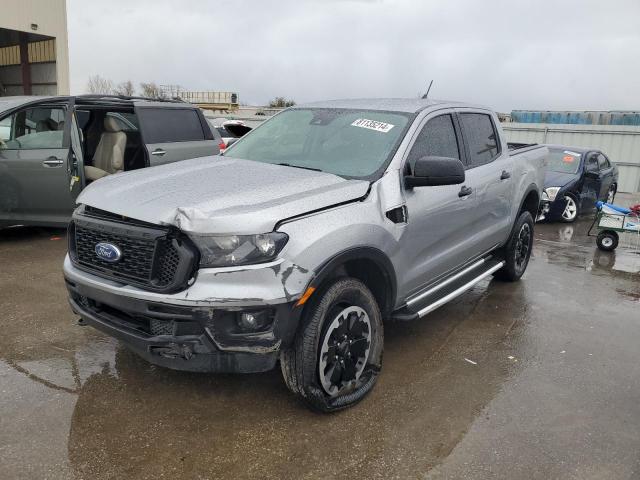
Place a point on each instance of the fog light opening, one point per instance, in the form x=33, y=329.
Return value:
x=254, y=321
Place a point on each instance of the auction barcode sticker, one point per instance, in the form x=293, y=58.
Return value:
x=372, y=125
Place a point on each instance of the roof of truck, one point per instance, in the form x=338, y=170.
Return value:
x=409, y=105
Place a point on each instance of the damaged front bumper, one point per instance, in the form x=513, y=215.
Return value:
x=180, y=332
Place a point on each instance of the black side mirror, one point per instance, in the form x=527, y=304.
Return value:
x=432, y=171
x=591, y=173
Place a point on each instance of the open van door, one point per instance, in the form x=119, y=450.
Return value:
x=37, y=164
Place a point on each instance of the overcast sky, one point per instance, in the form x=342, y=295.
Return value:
x=541, y=54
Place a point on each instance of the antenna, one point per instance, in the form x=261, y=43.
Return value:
x=426, y=95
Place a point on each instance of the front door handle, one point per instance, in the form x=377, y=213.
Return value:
x=52, y=162
x=158, y=152
x=465, y=191
x=505, y=175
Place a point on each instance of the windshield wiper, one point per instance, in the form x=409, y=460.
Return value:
x=300, y=166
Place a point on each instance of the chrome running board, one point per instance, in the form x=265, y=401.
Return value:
x=448, y=289
x=459, y=291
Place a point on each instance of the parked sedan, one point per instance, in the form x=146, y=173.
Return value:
x=576, y=179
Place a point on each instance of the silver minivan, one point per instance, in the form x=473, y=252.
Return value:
x=52, y=147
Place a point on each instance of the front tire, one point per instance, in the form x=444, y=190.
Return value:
x=337, y=354
x=571, y=210
x=517, y=252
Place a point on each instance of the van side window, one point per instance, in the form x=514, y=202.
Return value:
x=167, y=125
x=127, y=121
x=481, y=137
x=437, y=139
x=33, y=128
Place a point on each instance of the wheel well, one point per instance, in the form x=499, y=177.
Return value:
x=531, y=204
x=369, y=272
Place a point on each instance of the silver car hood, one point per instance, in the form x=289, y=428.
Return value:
x=219, y=195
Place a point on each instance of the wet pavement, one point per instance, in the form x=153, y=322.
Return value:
x=537, y=379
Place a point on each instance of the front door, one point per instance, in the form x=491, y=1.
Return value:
x=34, y=166
x=437, y=238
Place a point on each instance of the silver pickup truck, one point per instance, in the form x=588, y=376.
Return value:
x=302, y=238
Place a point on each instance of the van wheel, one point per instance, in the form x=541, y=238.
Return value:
x=517, y=252
x=337, y=354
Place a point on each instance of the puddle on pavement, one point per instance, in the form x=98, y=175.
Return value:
x=112, y=414
x=127, y=418
x=569, y=246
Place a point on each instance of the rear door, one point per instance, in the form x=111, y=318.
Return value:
x=606, y=173
x=489, y=174
x=592, y=184
x=171, y=133
x=36, y=165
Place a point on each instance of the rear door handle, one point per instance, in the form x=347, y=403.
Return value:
x=464, y=191
x=52, y=162
x=505, y=175
x=158, y=152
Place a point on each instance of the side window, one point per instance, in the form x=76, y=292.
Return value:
x=481, y=138
x=592, y=163
x=603, y=163
x=33, y=128
x=128, y=122
x=437, y=139
x=167, y=125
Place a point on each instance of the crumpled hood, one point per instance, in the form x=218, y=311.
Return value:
x=558, y=179
x=219, y=195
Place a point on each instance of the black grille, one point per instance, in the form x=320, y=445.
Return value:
x=152, y=258
x=137, y=258
x=169, y=260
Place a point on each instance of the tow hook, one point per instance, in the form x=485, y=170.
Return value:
x=173, y=350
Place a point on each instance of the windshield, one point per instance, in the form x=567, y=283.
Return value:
x=349, y=143
x=563, y=161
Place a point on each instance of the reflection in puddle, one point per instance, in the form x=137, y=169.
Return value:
x=124, y=418
x=68, y=371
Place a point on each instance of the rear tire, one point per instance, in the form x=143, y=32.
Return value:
x=517, y=252
x=611, y=194
x=337, y=354
x=607, y=240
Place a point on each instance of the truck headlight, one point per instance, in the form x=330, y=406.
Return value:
x=552, y=192
x=232, y=250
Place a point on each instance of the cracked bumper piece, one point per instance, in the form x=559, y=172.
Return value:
x=192, y=338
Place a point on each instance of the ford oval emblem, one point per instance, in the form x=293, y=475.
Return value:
x=108, y=252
